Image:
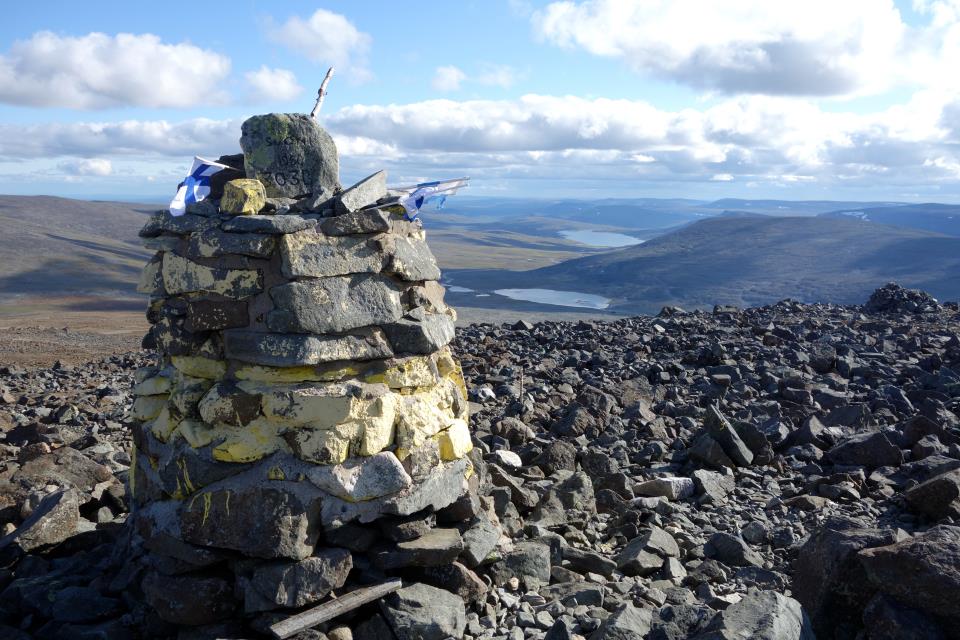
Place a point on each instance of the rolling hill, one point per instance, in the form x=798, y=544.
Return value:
x=59, y=247
x=752, y=260
x=939, y=218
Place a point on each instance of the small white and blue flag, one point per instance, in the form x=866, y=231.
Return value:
x=196, y=186
x=412, y=197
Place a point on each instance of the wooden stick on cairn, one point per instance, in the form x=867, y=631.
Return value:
x=321, y=93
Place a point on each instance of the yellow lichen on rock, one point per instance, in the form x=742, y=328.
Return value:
x=163, y=425
x=293, y=375
x=199, y=367
x=326, y=446
x=245, y=196
x=421, y=415
x=415, y=371
x=253, y=442
x=316, y=406
x=185, y=276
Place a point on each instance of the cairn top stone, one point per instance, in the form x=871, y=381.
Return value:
x=290, y=154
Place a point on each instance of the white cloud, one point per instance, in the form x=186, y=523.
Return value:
x=99, y=71
x=327, y=38
x=816, y=47
x=498, y=75
x=87, y=167
x=272, y=85
x=200, y=136
x=748, y=140
x=448, y=78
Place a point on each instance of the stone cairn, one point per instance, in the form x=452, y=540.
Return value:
x=305, y=428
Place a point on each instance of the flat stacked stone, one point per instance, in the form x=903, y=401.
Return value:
x=305, y=406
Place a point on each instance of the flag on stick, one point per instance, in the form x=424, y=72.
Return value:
x=412, y=197
x=196, y=186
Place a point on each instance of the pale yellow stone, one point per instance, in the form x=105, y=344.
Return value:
x=199, y=367
x=196, y=433
x=155, y=385
x=248, y=444
x=379, y=426
x=148, y=407
x=449, y=368
x=319, y=407
x=163, y=425
x=326, y=446
x=455, y=441
x=423, y=414
x=184, y=276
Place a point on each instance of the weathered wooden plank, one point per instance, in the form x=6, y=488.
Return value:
x=330, y=610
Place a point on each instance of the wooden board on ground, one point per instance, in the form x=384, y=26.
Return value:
x=330, y=610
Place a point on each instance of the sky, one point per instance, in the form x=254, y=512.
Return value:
x=821, y=99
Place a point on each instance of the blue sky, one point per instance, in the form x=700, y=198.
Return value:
x=591, y=98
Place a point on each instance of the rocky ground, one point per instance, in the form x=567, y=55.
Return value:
x=784, y=472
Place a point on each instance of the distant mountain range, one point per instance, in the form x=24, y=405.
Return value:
x=939, y=218
x=752, y=260
x=696, y=253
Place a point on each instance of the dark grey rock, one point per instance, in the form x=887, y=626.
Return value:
x=886, y=619
x=334, y=305
x=215, y=315
x=626, y=623
x=714, y=487
x=829, y=580
x=293, y=585
x=359, y=222
x=214, y=243
x=291, y=350
x=422, y=612
x=290, y=154
x=583, y=561
x=274, y=520
x=529, y=561
x=362, y=194
x=274, y=225
x=189, y=600
x=868, y=449
x=938, y=497
x=54, y=520
x=411, y=260
x=922, y=572
x=761, y=615
x=479, y=540
x=727, y=437
x=434, y=548
x=709, y=451
x=731, y=550
x=644, y=555
x=422, y=336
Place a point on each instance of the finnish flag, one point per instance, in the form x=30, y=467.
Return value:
x=196, y=186
x=413, y=197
